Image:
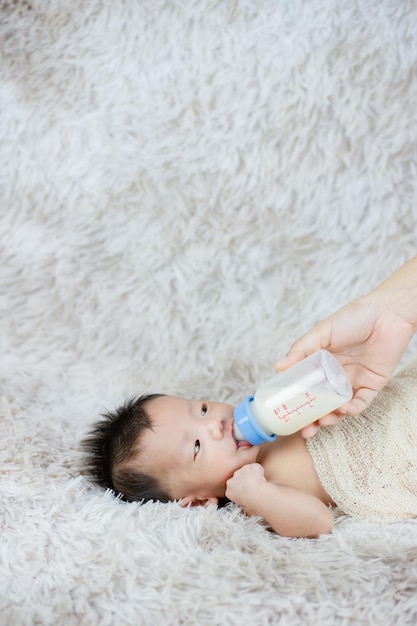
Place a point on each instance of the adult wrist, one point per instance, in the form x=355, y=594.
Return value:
x=399, y=300
x=398, y=293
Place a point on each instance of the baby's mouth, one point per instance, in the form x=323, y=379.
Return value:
x=241, y=443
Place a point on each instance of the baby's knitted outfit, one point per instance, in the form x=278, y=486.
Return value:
x=368, y=463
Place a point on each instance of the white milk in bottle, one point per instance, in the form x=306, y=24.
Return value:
x=293, y=399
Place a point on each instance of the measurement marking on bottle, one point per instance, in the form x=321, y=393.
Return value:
x=296, y=409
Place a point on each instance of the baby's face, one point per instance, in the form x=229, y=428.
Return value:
x=191, y=447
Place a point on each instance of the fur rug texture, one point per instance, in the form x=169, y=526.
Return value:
x=186, y=188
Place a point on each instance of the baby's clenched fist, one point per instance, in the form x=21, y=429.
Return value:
x=243, y=486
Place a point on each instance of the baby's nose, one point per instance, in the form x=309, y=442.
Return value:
x=216, y=428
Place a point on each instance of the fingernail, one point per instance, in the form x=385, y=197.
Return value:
x=282, y=363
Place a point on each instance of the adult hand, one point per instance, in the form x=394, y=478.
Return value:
x=367, y=336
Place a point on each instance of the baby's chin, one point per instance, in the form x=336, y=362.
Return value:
x=246, y=453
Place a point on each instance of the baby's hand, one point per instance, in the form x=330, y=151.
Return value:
x=243, y=486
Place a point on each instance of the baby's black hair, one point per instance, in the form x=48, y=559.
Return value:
x=112, y=443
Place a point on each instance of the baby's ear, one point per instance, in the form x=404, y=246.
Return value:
x=194, y=501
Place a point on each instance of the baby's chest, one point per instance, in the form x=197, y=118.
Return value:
x=289, y=463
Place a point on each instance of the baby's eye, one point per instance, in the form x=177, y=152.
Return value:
x=203, y=409
x=196, y=448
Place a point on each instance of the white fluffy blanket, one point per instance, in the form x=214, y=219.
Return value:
x=186, y=187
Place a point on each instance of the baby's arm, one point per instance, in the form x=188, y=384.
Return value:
x=290, y=512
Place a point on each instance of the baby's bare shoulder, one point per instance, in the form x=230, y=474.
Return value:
x=286, y=461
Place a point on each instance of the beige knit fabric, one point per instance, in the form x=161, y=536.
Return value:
x=368, y=463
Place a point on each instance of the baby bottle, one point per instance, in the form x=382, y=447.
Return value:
x=293, y=399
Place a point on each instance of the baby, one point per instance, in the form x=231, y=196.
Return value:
x=170, y=448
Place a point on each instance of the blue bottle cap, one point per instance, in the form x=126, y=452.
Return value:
x=247, y=424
